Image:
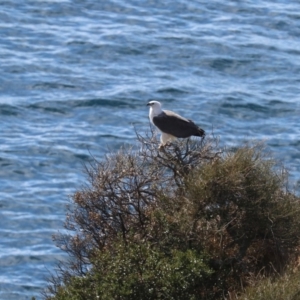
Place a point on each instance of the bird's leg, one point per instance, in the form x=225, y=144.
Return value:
x=161, y=147
x=162, y=142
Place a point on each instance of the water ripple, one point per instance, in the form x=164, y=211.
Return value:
x=75, y=80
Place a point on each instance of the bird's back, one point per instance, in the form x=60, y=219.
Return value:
x=176, y=125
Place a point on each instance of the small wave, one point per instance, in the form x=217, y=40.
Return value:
x=9, y=110
x=56, y=107
x=172, y=90
x=98, y=102
x=245, y=106
x=53, y=85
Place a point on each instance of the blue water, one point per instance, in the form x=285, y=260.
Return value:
x=75, y=77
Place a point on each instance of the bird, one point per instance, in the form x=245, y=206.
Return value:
x=171, y=125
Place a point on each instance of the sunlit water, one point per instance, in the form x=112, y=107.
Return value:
x=76, y=75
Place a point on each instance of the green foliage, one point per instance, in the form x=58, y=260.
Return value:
x=251, y=222
x=244, y=199
x=285, y=287
x=188, y=222
x=140, y=272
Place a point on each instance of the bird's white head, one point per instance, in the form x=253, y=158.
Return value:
x=155, y=108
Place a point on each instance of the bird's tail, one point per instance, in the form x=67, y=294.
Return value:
x=200, y=132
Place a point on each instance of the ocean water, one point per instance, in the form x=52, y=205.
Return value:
x=75, y=79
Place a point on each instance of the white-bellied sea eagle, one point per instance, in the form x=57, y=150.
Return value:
x=172, y=125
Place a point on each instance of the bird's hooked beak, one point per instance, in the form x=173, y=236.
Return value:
x=148, y=104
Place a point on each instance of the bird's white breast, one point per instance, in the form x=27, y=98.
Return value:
x=153, y=112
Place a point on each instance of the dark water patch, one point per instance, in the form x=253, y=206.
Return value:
x=49, y=107
x=99, y=102
x=254, y=107
x=83, y=157
x=127, y=49
x=9, y=110
x=281, y=109
x=53, y=85
x=296, y=143
x=5, y=162
x=172, y=91
x=110, y=136
x=222, y=64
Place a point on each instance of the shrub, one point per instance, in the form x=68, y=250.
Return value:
x=243, y=215
x=188, y=222
x=140, y=271
x=284, y=287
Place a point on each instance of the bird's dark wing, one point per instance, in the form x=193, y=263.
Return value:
x=174, y=124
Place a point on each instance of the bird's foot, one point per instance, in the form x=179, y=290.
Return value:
x=161, y=147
